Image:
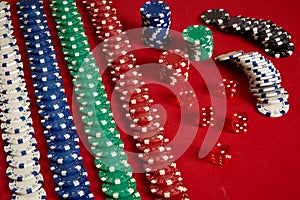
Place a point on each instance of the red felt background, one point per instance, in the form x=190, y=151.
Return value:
x=265, y=162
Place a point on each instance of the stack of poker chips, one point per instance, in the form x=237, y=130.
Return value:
x=198, y=42
x=97, y=118
x=23, y=171
x=275, y=40
x=162, y=173
x=156, y=22
x=264, y=81
x=64, y=152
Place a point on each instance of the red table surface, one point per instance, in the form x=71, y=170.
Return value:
x=265, y=162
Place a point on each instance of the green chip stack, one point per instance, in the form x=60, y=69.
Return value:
x=97, y=117
x=198, y=42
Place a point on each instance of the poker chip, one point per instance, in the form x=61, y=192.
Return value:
x=117, y=177
x=215, y=16
x=167, y=179
x=20, y=149
x=68, y=169
x=167, y=191
x=120, y=190
x=26, y=187
x=229, y=56
x=39, y=194
x=72, y=180
x=274, y=109
x=23, y=174
x=281, y=51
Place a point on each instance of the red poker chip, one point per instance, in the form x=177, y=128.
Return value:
x=150, y=140
x=159, y=146
x=116, y=53
x=138, y=111
x=116, y=39
x=122, y=68
x=103, y=36
x=116, y=45
x=152, y=126
x=139, y=137
x=109, y=27
x=127, y=58
x=181, y=196
x=167, y=191
x=161, y=170
x=105, y=15
x=96, y=3
x=157, y=158
x=175, y=59
x=166, y=179
x=109, y=21
x=145, y=119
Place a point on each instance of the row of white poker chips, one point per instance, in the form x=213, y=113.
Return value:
x=64, y=180
x=88, y=70
x=17, y=131
x=128, y=81
x=264, y=81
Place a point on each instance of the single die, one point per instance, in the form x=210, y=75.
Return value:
x=239, y=122
x=230, y=88
x=219, y=154
x=207, y=115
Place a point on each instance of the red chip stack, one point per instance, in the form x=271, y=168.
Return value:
x=164, y=177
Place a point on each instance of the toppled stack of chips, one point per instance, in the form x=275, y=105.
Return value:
x=156, y=22
x=162, y=173
x=91, y=96
x=264, y=81
x=23, y=171
x=198, y=42
x=64, y=152
x=276, y=41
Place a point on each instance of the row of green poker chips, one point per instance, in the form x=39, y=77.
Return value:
x=160, y=184
x=20, y=144
x=99, y=126
x=198, y=42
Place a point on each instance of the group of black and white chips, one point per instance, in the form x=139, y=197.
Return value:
x=16, y=122
x=264, y=81
x=62, y=140
x=275, y=40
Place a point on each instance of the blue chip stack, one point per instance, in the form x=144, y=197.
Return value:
x=23, y=171
x=156, y=24
x=64, y=153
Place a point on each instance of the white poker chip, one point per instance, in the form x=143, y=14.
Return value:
x=229, y=56
x=40, y=194
x=21, y=149
x=23, y=161
x=273, y=93
x=276, y=99
x=273, y=110
x=19, y=138
x=26, y=187
x=23, y=174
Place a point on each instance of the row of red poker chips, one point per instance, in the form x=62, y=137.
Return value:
x=144, y=120
x=23, y=171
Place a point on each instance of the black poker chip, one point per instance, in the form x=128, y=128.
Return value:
x=281, y=51
x=215, y=16
x=231, y=23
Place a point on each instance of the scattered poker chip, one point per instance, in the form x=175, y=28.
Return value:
x=229, y=56
x=215, y=16
x=273, y=110
x=23, y=174
x=122, y=190
x=40, y=194
x=26, y=187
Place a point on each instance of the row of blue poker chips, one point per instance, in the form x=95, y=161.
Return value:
x=20, y=147
x=57, y=119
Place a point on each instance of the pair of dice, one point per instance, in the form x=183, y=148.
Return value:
x=239, y=121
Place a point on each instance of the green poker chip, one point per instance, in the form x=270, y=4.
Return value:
x=62, y=3
x=112, y=164
x=117, y=177
x=110, y=151
x=134, y=196
x=96, y=132
x=122, y=190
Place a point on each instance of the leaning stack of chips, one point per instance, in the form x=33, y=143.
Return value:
x=275, y=40
x=198, y=42
x=156, y=22
x=99, y=125
x=264, y=80
x=64, y=153
x=25, y=179
x=163, y=175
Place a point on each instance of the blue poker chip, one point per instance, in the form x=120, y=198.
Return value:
x=67, y=169
x=72, y=180
x=155, y=9
x=29, y=14
x=47, y=88
x=42, y=59
x=62, y=124
x=62, y=157
x=33, y=45
x=62, y=135
x=41, y=68
x=38, y=36
x=50, y=96
x=63, y=145
x=57, y=116
x=52, y=105
x=74, y=192
x=33, y=28
x=41, y=50
x=29, y=4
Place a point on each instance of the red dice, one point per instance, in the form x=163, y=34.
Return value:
x=230, y=88
x=219, y=154
x=207, y=115
x=239, y=122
